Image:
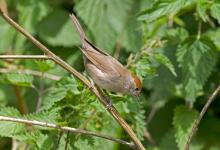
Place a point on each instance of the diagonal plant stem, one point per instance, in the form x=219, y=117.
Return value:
x=64, y=128
x=67, y=67
x=202, y=113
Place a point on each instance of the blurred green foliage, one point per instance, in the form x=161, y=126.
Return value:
x=173, y=45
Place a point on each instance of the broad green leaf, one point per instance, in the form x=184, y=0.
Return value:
x=45, y=142
x=201, y=9
x=164, y=8
x=214, y=35
x=106, y=23
x=3, y=100
x=57, y=29
x=165, y=61
x=168, y=141
x=197, y=59
x=215, y=11
x=7, y=128
x=60, y=91
x=183, y=122
x=130, y=34
x=30, y=13
x=7, y=34
x=45, y=116
x=19, y=79
x=144, y=67
x=176, y=35
x=45, y=65
x=52, y=97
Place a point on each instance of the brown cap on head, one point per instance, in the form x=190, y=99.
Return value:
x=137, y=82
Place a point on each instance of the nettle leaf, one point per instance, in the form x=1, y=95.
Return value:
x=57, y=29
x=168, y=141
x=214, y=35
x=30, y=13
x=45, y=116
x=183, y=122
x=144, y=67
x=105, y=23
x=215, y=11
x=55, y=95
x=165, y=61
x=197, y=58
x=136, y=114
x=19, y=79
x=83, y=143
x=45, y=65
x=163, y=8
x=176, y=35
x=10, y=129
x=3, y=100
x=201, y=10
x=7, y=34
x=130, y=35
x=60, y=91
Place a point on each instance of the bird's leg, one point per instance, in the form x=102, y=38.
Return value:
x=92, y=84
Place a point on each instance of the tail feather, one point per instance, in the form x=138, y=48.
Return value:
x=78, y=27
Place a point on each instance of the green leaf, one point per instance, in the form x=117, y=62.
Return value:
x=30, y=13
x=53, y=96
x=105, y=23
x=57, y=29
x=45, y=116
x=197, y=59
x=3, y=100
x=130, y=35
x=19, y=79
x=201, y=9
x=176, y=35
x=215, y=11
x=163, y=8
x=60, y=91
x=214, y=35
x=144, y=67
x=7, y=34
x=183, y=122
x=165, y=61
x=168, y=142
x=45, y=65
x=7, y=128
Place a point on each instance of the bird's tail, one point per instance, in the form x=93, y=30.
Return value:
x=79, y=28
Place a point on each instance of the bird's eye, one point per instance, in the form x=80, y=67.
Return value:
x=136, y=89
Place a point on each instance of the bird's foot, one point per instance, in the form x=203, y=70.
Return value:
x=91, y=85
x=109, y=105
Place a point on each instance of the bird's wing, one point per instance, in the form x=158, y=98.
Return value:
x=106, y=64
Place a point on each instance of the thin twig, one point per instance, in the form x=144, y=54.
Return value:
x=40, y=92
x=31, y=72
x=67, y=67
x=14, y=144
x=151, y=114
x=20, y=100
x=148, y=136
x=67, y=140
x=58, y=140
x=24, y=57
x=203, y=111
x=199, y=29
x=65, y=128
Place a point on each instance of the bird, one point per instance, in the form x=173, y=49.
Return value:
x=104, y=70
